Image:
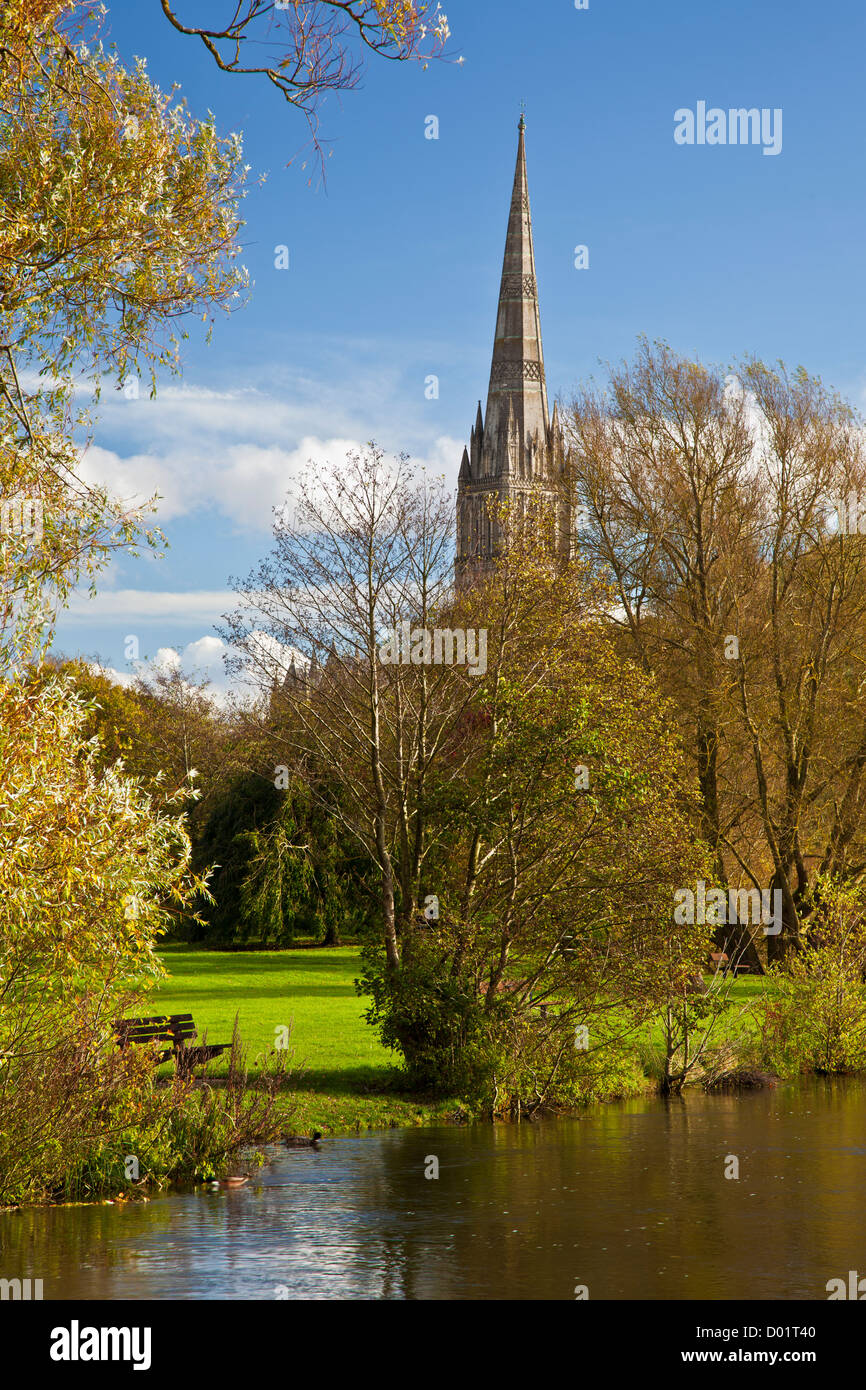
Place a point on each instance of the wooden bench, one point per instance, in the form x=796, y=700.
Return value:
x=177, y=1029
x=719, y=961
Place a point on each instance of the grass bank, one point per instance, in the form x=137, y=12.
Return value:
x=349, y=1080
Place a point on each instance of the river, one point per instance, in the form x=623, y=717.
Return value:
x=625, y=1201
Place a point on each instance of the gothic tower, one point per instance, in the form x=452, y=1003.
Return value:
x=516, y=449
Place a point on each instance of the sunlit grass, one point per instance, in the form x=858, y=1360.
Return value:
x=348, y=1080
x=312, y=990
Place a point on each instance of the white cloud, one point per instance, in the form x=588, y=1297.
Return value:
x=137, y=478
x=273, y=658
x=243, y=481
x=203, y=654
x=204, y=659
x=146, y=605
x=239, y=452
x=254, y=480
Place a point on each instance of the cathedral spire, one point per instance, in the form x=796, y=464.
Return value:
x=517, y=369
x=515, y=450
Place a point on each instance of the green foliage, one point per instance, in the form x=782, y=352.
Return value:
x=556, y=899
x=90, y=877
x=119, y=209
x=90, y=874
x=813, y=1016
x=113, y=711
x=432, y=1017
x=118, y=218
x=73, y=1114
x=699, y=1035
x=499, y=1060
x=276, y=865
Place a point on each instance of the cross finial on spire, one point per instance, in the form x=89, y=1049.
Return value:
x=522, y=125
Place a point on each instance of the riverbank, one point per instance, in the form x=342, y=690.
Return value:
x=348, y=1081
x=298, y=1008
x=632, y=1200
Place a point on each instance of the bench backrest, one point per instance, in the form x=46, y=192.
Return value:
x=169, y=1028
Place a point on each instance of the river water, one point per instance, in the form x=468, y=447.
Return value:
x=628, y=1200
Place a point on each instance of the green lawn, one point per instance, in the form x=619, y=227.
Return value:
x=313, y=990
x=348, y=1082
x=747, y=988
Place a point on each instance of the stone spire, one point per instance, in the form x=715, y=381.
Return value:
x=515, y=448
x=517, y=370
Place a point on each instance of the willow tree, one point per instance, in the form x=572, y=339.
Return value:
x=118, y=219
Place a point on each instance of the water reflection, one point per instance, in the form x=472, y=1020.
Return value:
x=630, y=1200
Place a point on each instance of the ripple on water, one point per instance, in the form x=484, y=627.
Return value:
x=540, y=1209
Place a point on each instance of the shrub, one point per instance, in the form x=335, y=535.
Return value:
x=74, y=1114
x=813, y=1016
x=503, y=1060
x=90, y=875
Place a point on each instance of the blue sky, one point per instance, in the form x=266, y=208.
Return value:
x=394, y=266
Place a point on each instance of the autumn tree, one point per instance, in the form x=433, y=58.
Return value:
x=185, y=734
x=118, y=218
x=557, y=850
x=708, y=498
x=367, y=548
x=513, y=904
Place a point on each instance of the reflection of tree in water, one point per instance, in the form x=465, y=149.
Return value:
x=502, y=1219
x=632, y=1201
x=629, y=1199
x=81, y=1250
